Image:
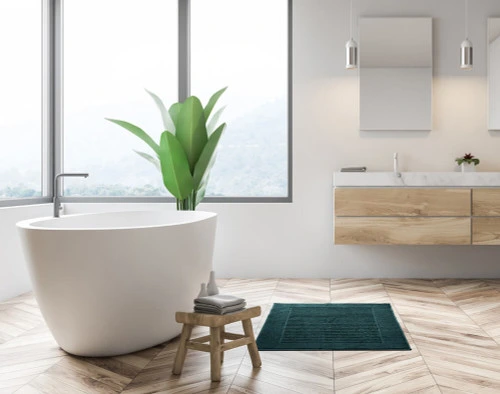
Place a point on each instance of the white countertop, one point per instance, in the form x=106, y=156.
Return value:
x=416, y=179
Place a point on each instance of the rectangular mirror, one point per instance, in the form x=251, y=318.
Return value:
x=395, y=72
x=494, y=73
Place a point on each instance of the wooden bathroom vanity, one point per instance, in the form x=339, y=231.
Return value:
x=417, y=209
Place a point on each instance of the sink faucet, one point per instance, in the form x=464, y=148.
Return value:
x=57, y=201
x=396, y=166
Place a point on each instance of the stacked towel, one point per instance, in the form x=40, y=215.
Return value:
x=219, y=304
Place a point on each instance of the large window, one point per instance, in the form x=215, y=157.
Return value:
x=21, y=99
x=113, y=50
x=243, y=44
x=67, y=65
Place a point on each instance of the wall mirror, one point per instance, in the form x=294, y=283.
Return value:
x=395, y=73
x=494, y=73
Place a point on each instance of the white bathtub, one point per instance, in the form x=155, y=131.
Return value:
x=110, y=283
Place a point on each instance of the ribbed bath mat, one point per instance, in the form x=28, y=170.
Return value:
x=332, y=327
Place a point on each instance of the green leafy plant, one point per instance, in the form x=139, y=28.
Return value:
x=468, y=158
x=187, y=148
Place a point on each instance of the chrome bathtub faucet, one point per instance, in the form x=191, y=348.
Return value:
x=396, y=165
x=57, y=201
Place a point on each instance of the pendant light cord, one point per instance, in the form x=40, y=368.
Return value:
x=466, y=19
x=351, y=19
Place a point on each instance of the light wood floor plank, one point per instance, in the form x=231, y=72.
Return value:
x=246, y=385
x=452, y=325
x=48, y=385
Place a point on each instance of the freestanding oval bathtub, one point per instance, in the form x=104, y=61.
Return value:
x=110, y=283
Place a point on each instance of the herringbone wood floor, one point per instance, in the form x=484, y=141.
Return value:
x=453, y=327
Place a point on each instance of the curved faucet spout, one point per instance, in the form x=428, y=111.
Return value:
x=57, y=201
x=396, y=165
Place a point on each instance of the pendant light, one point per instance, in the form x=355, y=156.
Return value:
x=351, y=49
x=466, y=60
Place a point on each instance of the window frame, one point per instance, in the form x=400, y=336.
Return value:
x=45, y=165
x=53, y=127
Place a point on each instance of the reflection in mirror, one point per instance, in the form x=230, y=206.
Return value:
x=395, y=73
x=494, y=73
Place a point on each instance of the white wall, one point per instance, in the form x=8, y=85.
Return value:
x=14, y=278
x=295, y=240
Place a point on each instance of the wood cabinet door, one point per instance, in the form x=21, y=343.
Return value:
x=486, y=231
x=402, y=231
x=486, y=202
x=360, y=202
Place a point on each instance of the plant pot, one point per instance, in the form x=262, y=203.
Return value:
x=468, y=167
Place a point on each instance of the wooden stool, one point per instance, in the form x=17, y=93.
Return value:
x=217, y=346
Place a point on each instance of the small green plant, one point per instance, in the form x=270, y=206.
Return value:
x=187, y=147
x=468, y=158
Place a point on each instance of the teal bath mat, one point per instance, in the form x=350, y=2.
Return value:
x=332, y=327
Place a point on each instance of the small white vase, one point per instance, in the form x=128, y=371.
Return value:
x=203, y=291
x=468, y=167
x=212, y=288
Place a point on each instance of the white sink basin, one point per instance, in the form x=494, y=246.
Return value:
x=416, y=179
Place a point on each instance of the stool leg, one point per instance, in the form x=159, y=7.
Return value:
x=215, y=353
x=222, y=331
x=252, y=346
x=182, y=350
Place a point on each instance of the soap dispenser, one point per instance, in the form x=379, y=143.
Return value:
x=203, y=291
x=212, y=288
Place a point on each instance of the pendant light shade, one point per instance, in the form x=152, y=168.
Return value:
x=351, y=49
x=351, y=54
x=466, y=58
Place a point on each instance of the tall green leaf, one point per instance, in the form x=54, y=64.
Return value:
x=153, y=160
x=214, y=120
x=168, y=124
x=177, y=177
x=174, y=111
x=200, y=193
x=205, y=162
x=213, y=100
x=137, y=131
x=191, y=130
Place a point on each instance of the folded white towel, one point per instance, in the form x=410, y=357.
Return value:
x=219, y=300
x=210, y=309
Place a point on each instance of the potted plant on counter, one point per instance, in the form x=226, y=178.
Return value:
x=467, y=162
x=186, y=151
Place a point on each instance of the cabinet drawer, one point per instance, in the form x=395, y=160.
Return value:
x=486, y=202
x=402, y=231
x=486, y=231
x=402, y=202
